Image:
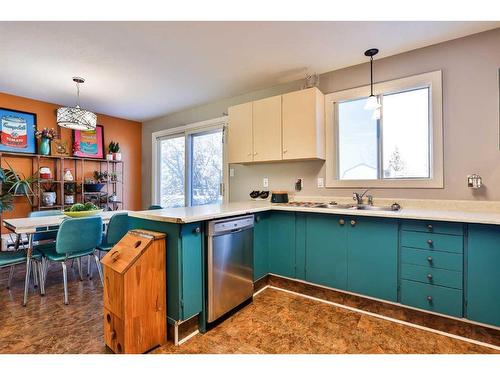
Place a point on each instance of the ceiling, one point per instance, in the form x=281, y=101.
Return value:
x=143, y=70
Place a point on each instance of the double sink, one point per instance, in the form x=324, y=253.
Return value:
x=335, y=205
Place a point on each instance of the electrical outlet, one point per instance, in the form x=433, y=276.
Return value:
x=265, y=182
x=321, y=182
x=231, y=172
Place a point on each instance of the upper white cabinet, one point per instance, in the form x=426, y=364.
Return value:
x=267, y=129
x=304, y=125
x=239, y=135
x=284, y=127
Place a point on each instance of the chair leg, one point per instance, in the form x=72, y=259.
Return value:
x=35, y=274
x=89, y=268
x=41, y=274
x=79, y=264
x=65, y=280
x=99, y=269
x=11, y=275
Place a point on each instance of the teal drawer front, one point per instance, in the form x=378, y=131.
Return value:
x=432, y=241
x=432, y=276
x=433, y=227
x=433, y=259
x=433, y=298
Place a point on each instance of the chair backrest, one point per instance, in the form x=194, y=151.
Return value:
x=155, y=207
x=80, y=234
x=117, y=228
x=46, y=235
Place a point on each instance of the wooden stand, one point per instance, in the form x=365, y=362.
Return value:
x=135, y=308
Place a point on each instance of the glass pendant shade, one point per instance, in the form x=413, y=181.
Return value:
x=76, y=118
x=372, y=103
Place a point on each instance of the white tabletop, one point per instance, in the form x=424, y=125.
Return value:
x=27, y=225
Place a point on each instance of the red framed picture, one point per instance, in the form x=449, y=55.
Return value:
x=89, y=144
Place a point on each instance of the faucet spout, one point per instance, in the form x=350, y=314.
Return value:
x=359, y=197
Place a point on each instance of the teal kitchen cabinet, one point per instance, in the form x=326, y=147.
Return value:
x=282, y=243
x=326, y=250
x=483, y=274
x=185, y=248
x=372, y=257
x=261, y=245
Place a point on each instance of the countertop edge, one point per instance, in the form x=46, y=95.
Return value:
x=409, y=214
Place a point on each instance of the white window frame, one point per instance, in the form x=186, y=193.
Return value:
x=201, y=127
x=432, y=80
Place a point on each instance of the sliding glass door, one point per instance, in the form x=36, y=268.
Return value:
x=190, y=168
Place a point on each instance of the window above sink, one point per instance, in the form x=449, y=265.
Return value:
x=399, y=145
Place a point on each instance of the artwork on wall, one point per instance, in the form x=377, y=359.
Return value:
x=17, y=131
x=60, y=147
x=89, y=144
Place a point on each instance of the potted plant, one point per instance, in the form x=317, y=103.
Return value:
x=5, y=196
x=95, y=184
x=69, y=192
x=49, y=196
x=15, y=184
x=114, y=149
x=111, y=147
x=45, y=136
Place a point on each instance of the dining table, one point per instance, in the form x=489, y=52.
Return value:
x=29, y=226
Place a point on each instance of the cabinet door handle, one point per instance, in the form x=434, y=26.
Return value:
x=341, y=221
x=249, y=154
x=429, y=276
x=197, y=230
x=257, y=218
x=353, y=223
x=430, y=242
x=429, y=298
x=254, y=153
x=429, y=259
x=285, y=150
x=429, y=226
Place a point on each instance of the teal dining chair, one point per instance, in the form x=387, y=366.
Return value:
x=76, y=238
x=117, y=227
x=13, y=258
x=155, y=207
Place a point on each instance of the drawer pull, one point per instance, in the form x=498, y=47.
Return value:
x=429, y=298
x=429, y=276
x=429, y=226
x=353, y=223
x=341, y=221
x=430, y=242
x=429, y=259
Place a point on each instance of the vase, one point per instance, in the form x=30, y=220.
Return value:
x=48, y=198
x=44, y=146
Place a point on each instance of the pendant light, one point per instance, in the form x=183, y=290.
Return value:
x=75, y=117
x=372, y=101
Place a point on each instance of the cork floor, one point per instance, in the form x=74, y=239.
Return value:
x=276, y=322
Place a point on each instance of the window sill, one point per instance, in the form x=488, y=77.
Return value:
x=434, y=183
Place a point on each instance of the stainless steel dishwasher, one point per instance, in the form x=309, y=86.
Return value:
x=230, y=264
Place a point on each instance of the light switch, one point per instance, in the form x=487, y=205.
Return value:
x=265, y=182
x=321, y=182
x=231, y=172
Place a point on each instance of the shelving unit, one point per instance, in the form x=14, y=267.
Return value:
x=80, y=170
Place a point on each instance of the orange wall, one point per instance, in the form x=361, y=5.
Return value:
x=126, y=132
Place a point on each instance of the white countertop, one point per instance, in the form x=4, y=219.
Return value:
x=182, y=215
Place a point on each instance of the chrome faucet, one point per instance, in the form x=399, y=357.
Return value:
x=359, y=197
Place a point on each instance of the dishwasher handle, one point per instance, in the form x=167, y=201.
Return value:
x=232, y=225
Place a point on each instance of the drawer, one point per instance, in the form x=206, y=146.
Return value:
x=442, y=227
x=433, y=298
x=432, y=241
x=432, y=276
x=433, y=259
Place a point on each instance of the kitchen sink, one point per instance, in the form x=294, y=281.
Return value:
x=366, y=207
